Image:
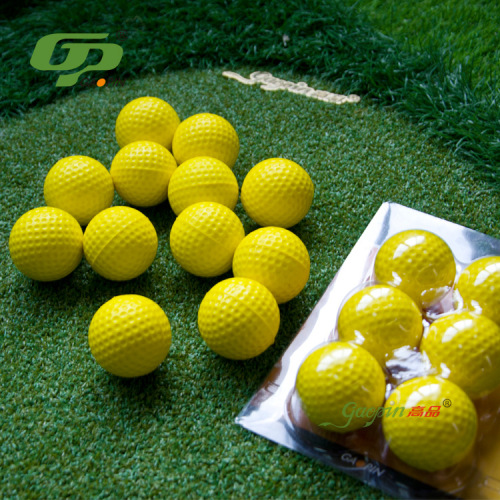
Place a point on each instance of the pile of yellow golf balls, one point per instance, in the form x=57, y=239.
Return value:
x=239, y=317
x=189, y=163
x=428, y=420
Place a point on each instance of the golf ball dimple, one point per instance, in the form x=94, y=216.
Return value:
x=204, y=237
x=202, y=179
x=120, y=243
x=80, y=185
x=141, y=172
x=382, y=319
x=419, y=263
x=336, y=376
x=206, y=134
x=238, y=318
x=275, y=257
x=464, y=347
x=277, y=192
x=45, y=244
x=478, y=287
x=429, y=423
x=130, y=336
x=146, y=119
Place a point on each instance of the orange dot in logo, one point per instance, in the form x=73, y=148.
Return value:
x=101, y=82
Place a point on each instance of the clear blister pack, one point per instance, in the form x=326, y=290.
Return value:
x=394, y=378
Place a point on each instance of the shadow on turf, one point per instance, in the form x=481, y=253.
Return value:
x=148, y=392
x=84, y=287
x=162, y=216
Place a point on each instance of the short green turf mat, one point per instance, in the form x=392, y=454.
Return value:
x=68, y=429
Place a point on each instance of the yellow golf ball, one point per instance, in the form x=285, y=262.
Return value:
x=429, y=423
x=130, y=336
x=275, y=257
x=336, y=378
x=120, y=243
x=382, y=319
x=418, y=262
x=46, y=244
x=206, y=134
x=479, y=287
x=204, y=237
x=238, y=318
x=79, y=185
x=277, y=192
x=202, y=179
x=146, y=119
x=141, y=172
x=464, y=347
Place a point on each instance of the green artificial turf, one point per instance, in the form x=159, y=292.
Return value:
x=325, y=38
x=68, y=429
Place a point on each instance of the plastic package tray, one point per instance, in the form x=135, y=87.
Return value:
x=274, y=411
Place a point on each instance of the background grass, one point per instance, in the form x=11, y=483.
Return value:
x=467, y=31
x=67, y=428
x=324, y=38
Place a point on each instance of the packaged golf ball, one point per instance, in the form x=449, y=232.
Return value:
x=478, y=285
x=395, y=376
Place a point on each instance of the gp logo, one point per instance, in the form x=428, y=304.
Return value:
x=76, y=57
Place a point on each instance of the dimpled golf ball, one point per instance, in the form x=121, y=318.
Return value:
x=202, y=179
x=419, y=263
x=120, y=243
x=429, y=423
x=382, y=319
x=275, y=257
x=45, y=244
x=206, y=134
x=141, y=172
x=238, y=318
x=146, y=119
x=79, y=185
x=277, y=192
x=464, y=347
x=130, y=336
x=479, y=287
x=204, y=237
x=335, y=381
